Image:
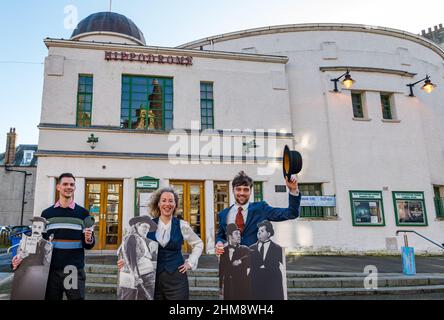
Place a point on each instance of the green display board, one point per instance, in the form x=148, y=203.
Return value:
x=367, y=208
x=144, y=187
x=410, y=208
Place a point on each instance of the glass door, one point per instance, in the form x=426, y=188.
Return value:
x=104, y=202
x=191, y=206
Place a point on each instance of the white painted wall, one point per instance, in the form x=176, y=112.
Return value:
x=339, y=152
x=369, y=155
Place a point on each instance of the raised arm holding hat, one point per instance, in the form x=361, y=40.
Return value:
x=247, y=215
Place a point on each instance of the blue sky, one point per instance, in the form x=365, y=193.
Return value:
x=25, y=23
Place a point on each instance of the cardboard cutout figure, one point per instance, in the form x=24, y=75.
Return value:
x=137, y=278
x=268, y=274
x=31, y=276
x=234, y=267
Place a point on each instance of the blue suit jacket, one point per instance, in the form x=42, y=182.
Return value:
x=257, y=212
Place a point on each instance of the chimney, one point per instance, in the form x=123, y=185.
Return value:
x=11, y=138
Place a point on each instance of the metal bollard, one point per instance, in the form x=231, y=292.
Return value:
x=408, y=258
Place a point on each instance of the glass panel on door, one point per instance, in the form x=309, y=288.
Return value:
x=94, y=207
x=112, y=215
x=221, y=200
x=195, y=205
x=180, y=207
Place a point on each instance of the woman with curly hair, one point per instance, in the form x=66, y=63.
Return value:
x=171, y=277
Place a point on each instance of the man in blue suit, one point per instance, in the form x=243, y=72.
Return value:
x=247, y=215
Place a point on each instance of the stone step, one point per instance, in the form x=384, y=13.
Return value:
x=345, y=282
x=358, y=282
x=101, y=278
x=5, y=296
x=320, y=292
x=100, y=288
x=112, y=269
x=101, y=269
x=110, y=289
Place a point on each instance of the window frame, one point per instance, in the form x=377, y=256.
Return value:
x=206, y=108
x=145, y=90
x=81, y=122
x=258, y=194
x=314, y=189
x=361, y=102
x=389, y=99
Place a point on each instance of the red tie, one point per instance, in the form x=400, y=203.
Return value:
x=240, y=220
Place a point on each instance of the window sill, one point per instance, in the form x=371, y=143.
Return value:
x=329, y=218
x=361, y=119
x=391, y=120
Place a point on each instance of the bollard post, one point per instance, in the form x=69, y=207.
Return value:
x=408, y=258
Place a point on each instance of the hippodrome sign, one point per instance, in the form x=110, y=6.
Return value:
x=148, y=58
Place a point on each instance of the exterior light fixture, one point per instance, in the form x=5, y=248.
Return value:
x=427, y=87
x=248, y=145
x=347, y=82
x=92, y=140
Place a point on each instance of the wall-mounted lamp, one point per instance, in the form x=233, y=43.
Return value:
x=92, y=140
x=347, y=82
x=427, y=87
x=248, y=145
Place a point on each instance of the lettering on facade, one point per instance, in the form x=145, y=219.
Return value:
x=148, y=58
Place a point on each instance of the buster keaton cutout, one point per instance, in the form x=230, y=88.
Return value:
x=268, y=274
x=31, y=277
x=137, y=278
x=234, y=267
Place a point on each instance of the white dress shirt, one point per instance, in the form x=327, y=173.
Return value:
x=163, y=235
x=266, y=246
x=231, y=218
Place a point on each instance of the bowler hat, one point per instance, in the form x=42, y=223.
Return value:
x=231, y=228
x=292, y=162
x=88, y=222
x=144, y=219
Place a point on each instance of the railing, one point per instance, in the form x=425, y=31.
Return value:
x=411, y=231
x=317, y=212
x=439, y=207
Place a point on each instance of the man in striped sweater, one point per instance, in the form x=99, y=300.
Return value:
x=66, y=225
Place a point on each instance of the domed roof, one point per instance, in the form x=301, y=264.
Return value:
x=109, y=22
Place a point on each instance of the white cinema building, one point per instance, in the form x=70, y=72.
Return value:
x=127, y=118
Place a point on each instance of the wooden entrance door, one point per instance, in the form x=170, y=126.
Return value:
x=191, y=206
x=104, y=202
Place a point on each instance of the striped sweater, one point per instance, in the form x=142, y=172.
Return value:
x=66, y=225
